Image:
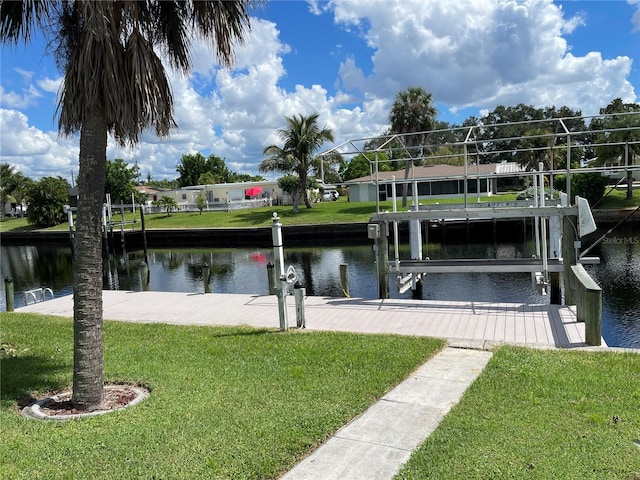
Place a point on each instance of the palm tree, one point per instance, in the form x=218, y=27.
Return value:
x=413, y=113
x=302, y=137
x=114, y=83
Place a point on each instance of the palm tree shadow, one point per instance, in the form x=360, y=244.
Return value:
x=24, y=375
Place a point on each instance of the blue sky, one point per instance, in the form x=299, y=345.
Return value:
x=346, y=60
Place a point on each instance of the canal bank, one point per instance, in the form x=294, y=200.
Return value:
x=338, y=234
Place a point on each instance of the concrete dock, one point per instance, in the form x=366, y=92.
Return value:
x=466, y=324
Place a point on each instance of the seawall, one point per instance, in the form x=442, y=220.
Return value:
x=340, y=234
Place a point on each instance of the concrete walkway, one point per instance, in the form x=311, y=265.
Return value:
x=376, y=444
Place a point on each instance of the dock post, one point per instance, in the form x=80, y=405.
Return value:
x=344, y=280
x=382, y=259
x=206, y=278
x=569, y=256
x=278, y=254
x=144, y=235
x=299, y=293
x=271, y=278
x=8, y=293
x=144, y=276
x=67, y=209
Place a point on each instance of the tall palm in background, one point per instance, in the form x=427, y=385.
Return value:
x=413, y=113
x=302, y=138
x=114, y=83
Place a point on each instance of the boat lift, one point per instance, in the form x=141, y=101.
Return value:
x=558, y=224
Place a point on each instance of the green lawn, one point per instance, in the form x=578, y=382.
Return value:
x=230, y=403
x=540, y=415
x=247, y=403
x=617, y=199
x=341, y=211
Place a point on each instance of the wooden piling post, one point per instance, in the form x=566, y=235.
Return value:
x=588, y=305
x=144, y=276
x=344, y=280
x=382, y=259
x=144, y=235
x=206, y=277
x=8, y=292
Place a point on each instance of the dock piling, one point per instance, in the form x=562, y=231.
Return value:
x=344, y=280
x=8, y=292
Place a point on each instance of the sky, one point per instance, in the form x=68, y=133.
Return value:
x=346, y=60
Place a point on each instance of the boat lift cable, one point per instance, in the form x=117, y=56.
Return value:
x=633, y=212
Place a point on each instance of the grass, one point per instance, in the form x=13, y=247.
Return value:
x=540, y=415
x=341, y=211
x=225, y=402
x=617, y=199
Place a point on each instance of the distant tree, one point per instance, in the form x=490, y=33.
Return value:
x=591, y=185
x=302, y=137
x=201, y=202
x=218, y=168
x=207, y=178
x=291, y=184
x=164, y=184
x=329, y=168
x=168, y=204
x=14, y=186
x=619, y=143
x=190, y=168
x=412, y=114
x=19, y=187
x=47, y=198
x=362, y=165
x=244, y=177
x=119, y=181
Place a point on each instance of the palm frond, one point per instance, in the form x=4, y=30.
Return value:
x=19, y=18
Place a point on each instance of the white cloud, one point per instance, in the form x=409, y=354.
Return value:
x=479, y=53
x=28, y=97
x=635, y=19
x=470, y=55
x=34, y=152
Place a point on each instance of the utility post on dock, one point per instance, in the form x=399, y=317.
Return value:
x=278, y=254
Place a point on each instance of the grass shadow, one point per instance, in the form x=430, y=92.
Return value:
x=23, y=375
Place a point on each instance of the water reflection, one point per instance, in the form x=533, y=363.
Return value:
x=245, y=271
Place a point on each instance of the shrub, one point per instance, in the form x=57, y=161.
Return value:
x=590, y=185
x=47, y=198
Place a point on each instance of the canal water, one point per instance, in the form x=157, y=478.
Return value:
x=245, y=271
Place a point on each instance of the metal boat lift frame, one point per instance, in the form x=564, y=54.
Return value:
x=571, y=216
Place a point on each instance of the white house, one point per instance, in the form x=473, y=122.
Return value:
x=435, y=181
x=225, y=196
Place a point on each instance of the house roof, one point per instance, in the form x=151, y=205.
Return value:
x=148, y=190
x=444, y=172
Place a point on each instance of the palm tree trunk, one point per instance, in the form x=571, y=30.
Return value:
x=305, y=193
x=88, y=375
x=296, y=200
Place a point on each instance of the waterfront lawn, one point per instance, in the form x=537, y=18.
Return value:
x=540, y=414
x=225, y=402
x=341, y=211
x=617, y=199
